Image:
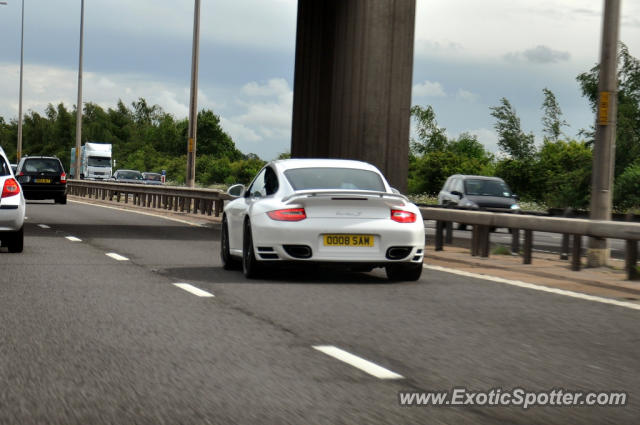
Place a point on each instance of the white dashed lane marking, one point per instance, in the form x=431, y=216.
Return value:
x=192, y=289
x=73, y=239
x=357, y=362
x=44, y=226
x=116, y=256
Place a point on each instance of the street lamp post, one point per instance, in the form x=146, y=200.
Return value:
x=604, y=146
x=193, y=101
x=19, y=149
x=79, y=103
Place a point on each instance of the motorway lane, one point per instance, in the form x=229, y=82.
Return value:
x=248, y=350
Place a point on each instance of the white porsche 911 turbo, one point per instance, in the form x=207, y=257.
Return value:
x=326, y=211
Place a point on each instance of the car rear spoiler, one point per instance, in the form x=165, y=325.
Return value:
x=343, y=193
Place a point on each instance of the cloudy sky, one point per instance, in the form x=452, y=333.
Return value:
x=468, y=54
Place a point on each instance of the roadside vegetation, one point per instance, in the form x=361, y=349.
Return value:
x=556, y=173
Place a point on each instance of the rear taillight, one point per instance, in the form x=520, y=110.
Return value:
x=291, y=214
x=403, y=216
x=11, y=188
x=21, y=173
x=63, y=177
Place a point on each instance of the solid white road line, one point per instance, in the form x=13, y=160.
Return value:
x=521, y=284
x=358, y=362
x=44, y=226
x=116, y=256
x=195, y=291
x=139, y=212
x=73, y=239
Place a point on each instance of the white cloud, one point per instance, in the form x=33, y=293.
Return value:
x=274, y=87
x=489, y=138
x=539, y=55
x=428, y=89
x=45, y=84
x=466, y=95
x=267, y=109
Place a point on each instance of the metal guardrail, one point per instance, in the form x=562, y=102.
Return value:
x=483, y=222
x=171, y=198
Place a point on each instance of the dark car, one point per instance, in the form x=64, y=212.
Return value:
x=477, y=192
x=152, y=178
x=43, y=177
x=128, y=176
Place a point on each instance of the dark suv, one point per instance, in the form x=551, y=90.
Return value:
x=477, y=192
x=43, y=177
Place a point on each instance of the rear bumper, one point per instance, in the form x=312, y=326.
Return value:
x=32, y=191
x=270, y=239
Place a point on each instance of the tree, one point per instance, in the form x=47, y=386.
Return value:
x=430, y=137
x=562, y=174
x=512, y=140
x=212, y=139
x=552, y=121
x=468, y=145
x=627, y=188
x=628, y=117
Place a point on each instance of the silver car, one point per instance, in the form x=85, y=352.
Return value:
x=12, y=208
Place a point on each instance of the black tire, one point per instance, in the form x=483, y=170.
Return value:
x=462, y=226
x=228, y=261
x=61, y=200
x=408, y=272
x=251, y=267
x=16, y=241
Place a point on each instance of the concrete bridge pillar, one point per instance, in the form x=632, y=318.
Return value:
x=352, y=88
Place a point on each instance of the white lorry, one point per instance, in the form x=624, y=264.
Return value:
x=95, y=161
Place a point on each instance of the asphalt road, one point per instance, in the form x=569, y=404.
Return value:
x=91, y=338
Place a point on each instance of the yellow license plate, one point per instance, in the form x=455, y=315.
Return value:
x=43, y=180
x=348, y=240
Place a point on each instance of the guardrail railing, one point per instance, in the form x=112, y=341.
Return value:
x=172, y=198
x=483, y=222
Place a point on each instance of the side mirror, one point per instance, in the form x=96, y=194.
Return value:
x=458, y=194
x=237, y=190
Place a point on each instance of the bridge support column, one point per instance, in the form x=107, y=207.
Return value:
x=353, y=76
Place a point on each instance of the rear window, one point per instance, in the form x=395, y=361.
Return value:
x=133, y=175
x=487, y=188
x=4, y=168
x=334, y=178
x=155, y=177
x=42, y=165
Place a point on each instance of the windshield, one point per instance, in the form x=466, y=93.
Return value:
x=152, y=176
x=487, y=188
x=133, y=175
x=42, y=165
x=99, y=161
x=334, y=178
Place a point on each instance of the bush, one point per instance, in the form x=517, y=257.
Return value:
x=627, y=189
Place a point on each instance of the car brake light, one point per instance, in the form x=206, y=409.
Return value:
x=21, y=173
x=291, y=214
x=11, y=188
x=63, y=177
x=403, y=216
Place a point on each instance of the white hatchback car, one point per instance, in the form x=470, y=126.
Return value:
x=327, y=211
x=12, y=208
